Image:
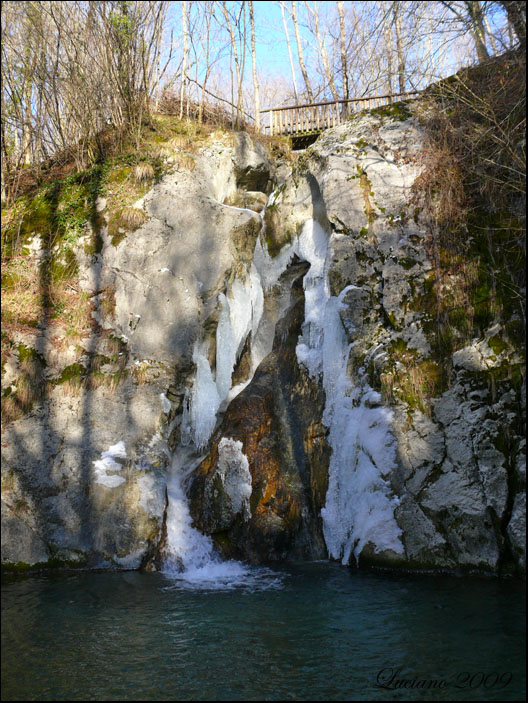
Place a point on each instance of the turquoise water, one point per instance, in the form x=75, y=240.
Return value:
x=317, y=631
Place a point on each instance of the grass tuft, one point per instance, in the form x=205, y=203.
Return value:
x=132, y=217
x=143, y=172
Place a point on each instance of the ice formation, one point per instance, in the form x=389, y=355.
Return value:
x=240, y=315
x=107, y=463
x=201, y=405
x=359, y=503
x=233, y=469
x=359, y=506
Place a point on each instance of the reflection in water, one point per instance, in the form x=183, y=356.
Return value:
x=317, y=631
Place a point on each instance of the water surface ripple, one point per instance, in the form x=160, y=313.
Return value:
x=312, y=632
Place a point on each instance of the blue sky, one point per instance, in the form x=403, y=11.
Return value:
x=272, y=53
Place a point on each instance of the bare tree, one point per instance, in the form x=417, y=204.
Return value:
x=397, y=8
x=185, y=34
x=239, y=70
x=470, y=13
x=387, y=34
x=314, y=11
x=342, y=47
x=516, y=13
x=300, y=52
x=254, y=67
x=289, y=52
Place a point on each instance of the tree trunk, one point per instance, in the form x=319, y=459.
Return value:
x=237, y=64
x=344, y=68
x=254, y=66
x=387, y=33
x=289, y=53
x=322, y=51
x=396, y=9
x=300, y=52
x=185, y=33
x=516, y=12
x=478, y=30
x=209, y=12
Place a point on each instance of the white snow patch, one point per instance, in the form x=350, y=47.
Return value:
x=107, y=463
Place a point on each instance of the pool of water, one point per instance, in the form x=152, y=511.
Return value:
x=313, y=632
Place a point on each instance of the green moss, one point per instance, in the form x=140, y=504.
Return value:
x=399, y=350
x=366, y=189
x=407, y=263
x=276, y=236
x=390, y=319
x=114, y=225
x=21, y=567
x=64, y=268
x=73, y=372
x=426, y=302
x=361, y=144
x=361, y=257
x=497, y=344
x=29, y=354
x=506, y=376
x=398, y=111
x=37, y=218
x=119, y=376
x=119, y=174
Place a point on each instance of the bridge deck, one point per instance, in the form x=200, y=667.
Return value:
x=313, y=118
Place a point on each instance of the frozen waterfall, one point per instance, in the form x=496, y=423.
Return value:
x=359, y=504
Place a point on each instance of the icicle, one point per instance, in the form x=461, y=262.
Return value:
x=359, y=506
x=201, y=405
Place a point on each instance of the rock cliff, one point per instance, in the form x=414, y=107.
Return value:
x=295, y=349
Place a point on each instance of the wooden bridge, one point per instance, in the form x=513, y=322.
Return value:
x=303, y=123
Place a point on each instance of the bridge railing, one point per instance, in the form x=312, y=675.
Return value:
x=315, y=117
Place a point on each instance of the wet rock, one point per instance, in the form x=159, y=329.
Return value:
x=276, y=420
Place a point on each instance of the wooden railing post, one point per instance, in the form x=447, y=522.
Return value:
x=315, y=117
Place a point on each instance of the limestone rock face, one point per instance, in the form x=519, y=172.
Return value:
x=71, y=492
x=84, y=473
x=459, y=487
x=252, y=164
